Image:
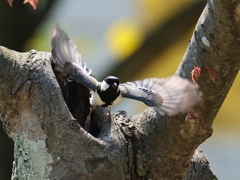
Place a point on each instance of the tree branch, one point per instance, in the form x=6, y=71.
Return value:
x=199, y=168
x=36, y=117
x=157, y=41
x=144, y=146
x=168, y=144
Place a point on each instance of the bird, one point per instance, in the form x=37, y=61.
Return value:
x=169, y=96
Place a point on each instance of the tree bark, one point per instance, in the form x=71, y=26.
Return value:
x=19, y=26
x=144, y=146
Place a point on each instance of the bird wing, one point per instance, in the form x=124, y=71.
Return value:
x=68, y=62
x=169, y=96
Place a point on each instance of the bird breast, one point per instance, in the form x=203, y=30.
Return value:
x=106, y=100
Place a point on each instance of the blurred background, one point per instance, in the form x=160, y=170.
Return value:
x=131, y=39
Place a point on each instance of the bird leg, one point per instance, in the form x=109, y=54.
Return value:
x=88, y=119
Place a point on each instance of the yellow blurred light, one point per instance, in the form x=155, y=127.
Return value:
x=123, y=38
x=153, y=12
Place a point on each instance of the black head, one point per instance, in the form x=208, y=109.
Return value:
x=110, y=82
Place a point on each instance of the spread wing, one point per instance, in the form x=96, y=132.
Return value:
x=68, y=62
x=169, y=96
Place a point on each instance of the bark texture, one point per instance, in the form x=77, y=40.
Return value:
x=19, y=26
x=145, y=146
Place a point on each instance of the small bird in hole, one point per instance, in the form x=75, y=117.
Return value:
x=169, y=96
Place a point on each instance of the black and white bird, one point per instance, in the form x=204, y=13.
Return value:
x=169, y=96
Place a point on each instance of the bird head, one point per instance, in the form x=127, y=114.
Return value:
x=110, y=82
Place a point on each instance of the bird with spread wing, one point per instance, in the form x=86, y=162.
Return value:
x=169, y=96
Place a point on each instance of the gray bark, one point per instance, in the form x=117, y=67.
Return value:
x=144, y=146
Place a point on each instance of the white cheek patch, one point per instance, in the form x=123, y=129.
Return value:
x=95, y=100
x=104, y=86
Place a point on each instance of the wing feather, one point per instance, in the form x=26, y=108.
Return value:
x=169, y=96
x=68, y=62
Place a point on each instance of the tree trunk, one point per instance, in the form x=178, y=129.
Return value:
x=49, y=143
